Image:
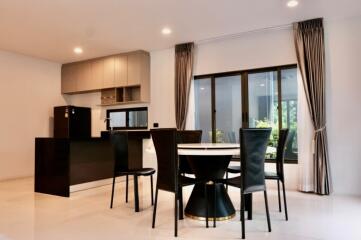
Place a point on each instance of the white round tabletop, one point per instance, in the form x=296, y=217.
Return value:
x=208, y=149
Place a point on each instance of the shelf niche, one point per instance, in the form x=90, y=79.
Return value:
x=121, y=95
x=132, y=94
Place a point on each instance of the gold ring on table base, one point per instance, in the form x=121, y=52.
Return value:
x=210, y=218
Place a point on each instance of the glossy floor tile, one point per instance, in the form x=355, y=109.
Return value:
x=86, y=215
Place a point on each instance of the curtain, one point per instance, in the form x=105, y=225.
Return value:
x=310, y=50
x=304, y=140
x=183, y=75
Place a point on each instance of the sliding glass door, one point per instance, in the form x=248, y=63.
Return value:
x=225, y=102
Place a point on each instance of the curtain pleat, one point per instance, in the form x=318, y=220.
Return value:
x=183, y=75
x=310, y=50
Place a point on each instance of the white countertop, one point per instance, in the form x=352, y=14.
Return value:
x=208, y=146
x=208, y=149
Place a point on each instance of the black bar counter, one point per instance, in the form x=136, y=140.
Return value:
x=62, y=162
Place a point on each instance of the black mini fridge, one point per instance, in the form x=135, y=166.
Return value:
x=72, y=122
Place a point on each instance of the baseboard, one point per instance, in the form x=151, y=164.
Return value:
x=95, y=184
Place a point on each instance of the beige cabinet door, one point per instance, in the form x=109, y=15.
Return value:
x=68, y=80
x=83, y=76
x=121, y=70
x=97, y=73
x=109, y=72
x=134, y=68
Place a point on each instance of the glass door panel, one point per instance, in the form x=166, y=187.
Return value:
x=263, y=105
x=203, y=108
x=289, y=110
x=228, y=106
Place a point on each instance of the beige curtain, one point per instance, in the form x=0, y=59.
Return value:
x=183, y=75
x=310, y=50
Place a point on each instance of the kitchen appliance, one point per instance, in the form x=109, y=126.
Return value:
x=72, y=122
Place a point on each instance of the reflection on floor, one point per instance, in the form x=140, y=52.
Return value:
x=86, y=215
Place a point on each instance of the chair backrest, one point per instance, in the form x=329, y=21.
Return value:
x=119, y=140
x=253, y=143
x=281, y=146
x=187, y=136
x=165, y=143
x=289, y=151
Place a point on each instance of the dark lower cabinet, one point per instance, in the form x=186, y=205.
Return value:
x=62, y=162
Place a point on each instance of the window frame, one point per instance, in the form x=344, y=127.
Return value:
x=126, y=110
x=245, y=100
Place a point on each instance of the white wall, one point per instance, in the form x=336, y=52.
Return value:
x=252, y=50
x=29, y=88
x=343, y=53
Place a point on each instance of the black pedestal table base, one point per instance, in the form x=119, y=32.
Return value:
x=209, y=168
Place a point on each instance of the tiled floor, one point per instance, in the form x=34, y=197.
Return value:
x=86, y=215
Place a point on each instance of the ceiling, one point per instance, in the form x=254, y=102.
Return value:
x=50, y=29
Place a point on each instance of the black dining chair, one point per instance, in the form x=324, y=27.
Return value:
x=168, y=176
x=121, y=167
x=279, y=175
x=253, y=143
x=186, y=136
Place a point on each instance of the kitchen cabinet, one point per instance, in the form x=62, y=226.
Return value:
x=97, y=73
x=109, y=72
x=128, y=74
x=121, y=70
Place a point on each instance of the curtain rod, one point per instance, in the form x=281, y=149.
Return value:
x=237, y=35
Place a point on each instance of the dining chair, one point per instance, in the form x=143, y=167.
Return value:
x=121, y=167
x=253, y=145
x=186, y=136
x=283, y=141
x=168, y=176
x=279, y=175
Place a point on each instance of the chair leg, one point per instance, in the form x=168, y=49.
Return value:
x=248, y=203
x=155, y=206
x=176, y=214
x=180, y=196
x=136, y=193
x=206, y=197
x=126, y=188
x=242, y=216
x=279, y=196
x=214, y=206
x=111, y=200
x=267, y=211
x=284, y=199
x=151, y=189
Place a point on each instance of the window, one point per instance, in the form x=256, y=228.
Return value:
x=127, y=118
x=224, y=102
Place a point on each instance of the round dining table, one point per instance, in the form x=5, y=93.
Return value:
x=209, y=161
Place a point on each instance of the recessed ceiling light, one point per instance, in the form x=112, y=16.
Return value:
x=292, y=3
x=261, y=85
x=166, y=31
x=78, y=50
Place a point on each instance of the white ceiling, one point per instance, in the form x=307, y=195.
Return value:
x=50, y=29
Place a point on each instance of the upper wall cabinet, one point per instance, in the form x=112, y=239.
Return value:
x=121, y=70
x=137, y=67
x=75, y=77
x=109, y=72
